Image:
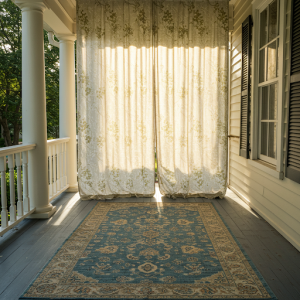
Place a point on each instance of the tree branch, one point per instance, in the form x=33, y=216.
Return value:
x=4, y=33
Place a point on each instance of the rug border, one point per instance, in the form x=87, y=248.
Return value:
x=261, y=278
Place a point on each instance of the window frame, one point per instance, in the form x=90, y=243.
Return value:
x=257, y=7
x=263, y=157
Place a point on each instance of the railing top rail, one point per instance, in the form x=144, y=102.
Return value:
x=58, y=141
x=16, y=149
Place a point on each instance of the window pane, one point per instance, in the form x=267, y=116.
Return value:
x=264, y=138
x=272, y=60
x=272, y=140
x=273, y=102
x=273, y=21
x=264, y=103
x=263, y=27
x=262, y=65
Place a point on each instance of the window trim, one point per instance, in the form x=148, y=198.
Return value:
x=257, y=7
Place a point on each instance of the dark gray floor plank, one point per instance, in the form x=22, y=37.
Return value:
x=257, y=253
x=14, y=235
x=286, y=259
x=37, y=241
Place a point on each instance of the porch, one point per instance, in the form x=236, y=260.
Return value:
x=42, y=214
x=28, y=247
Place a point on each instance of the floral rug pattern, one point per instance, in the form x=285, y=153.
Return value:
x=150, y=251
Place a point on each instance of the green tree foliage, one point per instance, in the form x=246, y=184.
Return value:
x=52, y=88
x=10, y=71
x=11, y=76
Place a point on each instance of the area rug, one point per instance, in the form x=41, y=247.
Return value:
x=150, y=251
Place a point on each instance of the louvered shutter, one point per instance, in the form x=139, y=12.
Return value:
x=293, y=137
x=246, y=85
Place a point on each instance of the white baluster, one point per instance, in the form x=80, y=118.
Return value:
x=4, y=212
x=50, y=171
x=54, y=169
x=65, y=164
x=26, y=200
x=12, y=209
x=58, y=166
x=19, y=185
x=61, y=166
x=62, y=177
x=61, y=147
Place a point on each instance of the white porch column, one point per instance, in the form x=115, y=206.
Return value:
x=67, y=105
x=34, y=122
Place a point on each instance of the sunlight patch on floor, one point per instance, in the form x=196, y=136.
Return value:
x=157, y=195
x=240, y=202
x=67, y=209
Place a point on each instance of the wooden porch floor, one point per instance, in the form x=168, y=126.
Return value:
x=27, y=248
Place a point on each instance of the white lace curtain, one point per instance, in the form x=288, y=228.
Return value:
x=151, y=69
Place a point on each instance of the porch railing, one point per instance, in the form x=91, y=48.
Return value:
x=11, y=157
x=57, y=166
x=15, y=159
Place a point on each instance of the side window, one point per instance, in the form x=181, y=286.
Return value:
x=268, y=57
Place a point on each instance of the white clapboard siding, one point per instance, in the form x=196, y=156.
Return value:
x=278, y=201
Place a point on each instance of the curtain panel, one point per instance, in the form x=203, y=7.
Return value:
x=115, y=99
x=191, y=57
x=146, y=69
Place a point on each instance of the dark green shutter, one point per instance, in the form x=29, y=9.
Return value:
x=293, y=136
x=246, y=86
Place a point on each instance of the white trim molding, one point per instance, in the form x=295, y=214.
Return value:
x=40, y=5
x=51, y=39
x=261, y=165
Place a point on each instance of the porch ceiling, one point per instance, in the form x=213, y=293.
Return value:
x=59, y=17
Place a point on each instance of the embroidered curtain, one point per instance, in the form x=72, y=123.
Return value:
x=146, y=60
x=191, y=49
x=115, y=98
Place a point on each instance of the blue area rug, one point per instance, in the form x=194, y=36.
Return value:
x=150, y=251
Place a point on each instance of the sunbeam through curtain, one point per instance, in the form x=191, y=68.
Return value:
x=146, y=69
